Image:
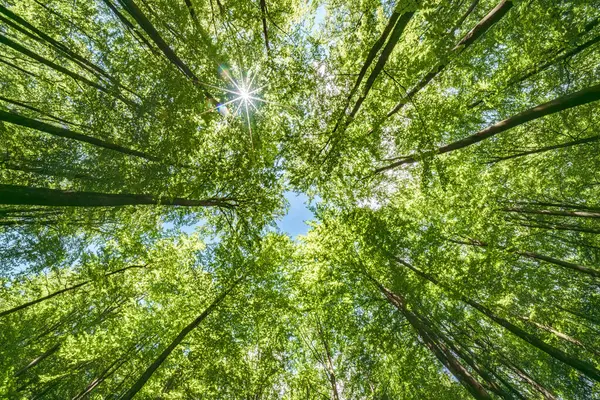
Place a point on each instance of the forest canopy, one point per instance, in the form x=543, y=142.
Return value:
x=450, y=150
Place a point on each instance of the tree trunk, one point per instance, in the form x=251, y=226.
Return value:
x=482, y=27
x=69, y=134
x=537, y=256
x=438, y=349
x=68, y=289
x=560, y=335
x=166, y=352
x=21, y=49
x=581, y=97
x=547, y=148
x=387, y=50
x=147, y=26
x=39, y=359
x=332, y=377
x=560, y=213
x=584, y=367
x=25, y=195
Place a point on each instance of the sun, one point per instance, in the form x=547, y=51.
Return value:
x=244, y=93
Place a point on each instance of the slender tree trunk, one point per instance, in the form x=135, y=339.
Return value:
x=25, y=27
x=58, y=292
x=581, y=97
x=537, y=256
x=489, y=380
x=580, y=315
x=367, y=64
x=560, y=213
x=482, y=27
x=547, y=394
x=151, y=31
x=25, y=195
x=263, y=11
x=166, y=352
x=561, y=227
x=582, y=366
x=547, y=148
x=22, y=49
x=438, y=349
x=69, y=134
x=38, y=360
x=27, y=106
x=332, y=377
x=464, y=16
x=560, y=335
x=385, y=54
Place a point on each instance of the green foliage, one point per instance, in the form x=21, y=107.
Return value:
x=455, y=250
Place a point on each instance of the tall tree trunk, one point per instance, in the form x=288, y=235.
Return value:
x=147, y=26
x=465, y=355
x=437, y=348
x=584, y=367
x=38, y=360
x=25, y=27
x=385, y=54
x=29, y=107
x=25, y=195
x=332, y=377
x=547, y=148
x=263, y=11
x=530, y=254
x=58, y=292
x=166, y=352
x=367, y=64
x=547, y=394
x=581, y=97
x=561, y=335
x=69, y=134
x=560, y=213
x=22, y=49
x=482, y=27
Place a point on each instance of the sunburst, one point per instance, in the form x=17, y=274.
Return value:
x=245, y=95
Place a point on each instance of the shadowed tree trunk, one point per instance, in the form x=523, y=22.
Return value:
x=482, y=27
x=69, y=134
x=25, y=195
x=438, y=349
x=547, y=148
x=68, y=289
x=166, y=352
x=582, y=366
x=22, y=49
x=151, y=31
x=581, y=97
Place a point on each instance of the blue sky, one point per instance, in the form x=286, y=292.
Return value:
x=294, y=222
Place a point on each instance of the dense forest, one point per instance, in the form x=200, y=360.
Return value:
x=450, y=150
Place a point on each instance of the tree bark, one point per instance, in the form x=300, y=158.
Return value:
x=478, y=30
x=21, y=49
x=582, y=366
x=581, y=97
x=54, y=294
x=575, y=214
x=165, y=354
x=438, y=349
x=39, y=359
x=25, y=195
x=537, y=256
x=547, y=148
x=147, y=26
x=69, y=134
